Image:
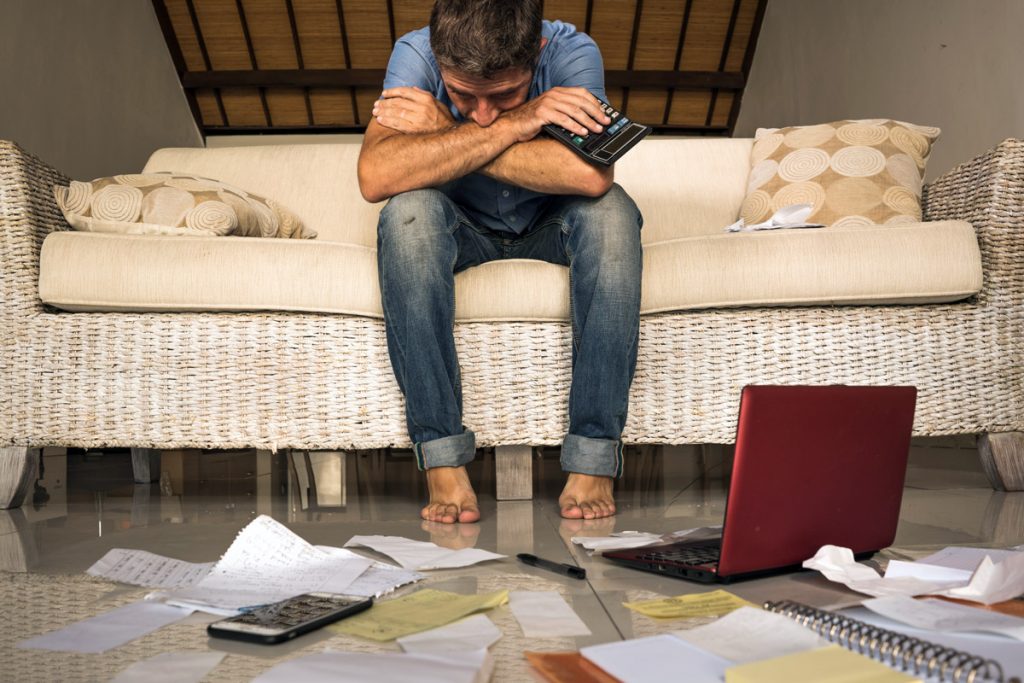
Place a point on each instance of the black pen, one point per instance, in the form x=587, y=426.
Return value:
x=567, y=569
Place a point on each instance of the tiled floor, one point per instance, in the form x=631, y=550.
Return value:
x=86, y=504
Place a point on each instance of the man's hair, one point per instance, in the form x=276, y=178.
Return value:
x=485, y=37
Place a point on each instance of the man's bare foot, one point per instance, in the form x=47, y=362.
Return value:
x=587, y=497
x=451, y=496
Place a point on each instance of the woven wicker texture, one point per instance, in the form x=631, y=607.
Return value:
x=277, y=380
x=36, y=604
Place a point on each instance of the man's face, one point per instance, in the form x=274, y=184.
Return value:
x=482, y=100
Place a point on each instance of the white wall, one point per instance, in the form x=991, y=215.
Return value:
x=89, y=85
x=955, y=64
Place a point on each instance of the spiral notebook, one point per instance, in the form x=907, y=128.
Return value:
x=920, y=658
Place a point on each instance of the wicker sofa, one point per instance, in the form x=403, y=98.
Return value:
x=260, y=370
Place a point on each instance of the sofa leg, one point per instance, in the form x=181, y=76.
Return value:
x=19, y=469
x=145, y=465
x=1002, y=456
x=513, y=472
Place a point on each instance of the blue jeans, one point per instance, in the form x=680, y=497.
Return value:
x=423, y=239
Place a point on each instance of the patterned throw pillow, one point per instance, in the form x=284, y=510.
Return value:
x=854, y=172
x=174, y=204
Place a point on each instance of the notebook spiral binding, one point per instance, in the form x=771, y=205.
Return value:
x=893, y=649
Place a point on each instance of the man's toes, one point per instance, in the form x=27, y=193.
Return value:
x=588, y=511
x=572, y=511
x=469, y=513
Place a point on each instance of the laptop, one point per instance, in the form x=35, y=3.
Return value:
x=814, y=465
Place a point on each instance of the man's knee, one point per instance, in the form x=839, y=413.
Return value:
x=414, y=226
x=612, y=221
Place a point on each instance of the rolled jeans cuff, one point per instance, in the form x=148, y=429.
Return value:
x=448, y=451
x=597, y=457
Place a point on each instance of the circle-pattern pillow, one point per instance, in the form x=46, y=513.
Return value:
x=853, y=172
x=174, y=204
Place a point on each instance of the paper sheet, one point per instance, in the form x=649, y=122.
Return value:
x=422, y=554
x=792, y=216
x=359, y=667
x=141, y=568
x=420, y=611
x=110, y=629
x=939, y=615
x=968, y=559
x=710, y=604
x=472, y=633
x=171, y=667
x=643, y=660
x=638, y=539
x=990, y=582
x=379, y=580
x=267, y=563
x=545, y=614
x=750, y=634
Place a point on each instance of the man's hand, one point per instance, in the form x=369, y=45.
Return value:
x=411, y=110
x=574, y=109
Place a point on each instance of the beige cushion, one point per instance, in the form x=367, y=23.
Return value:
x=684, y=187
x=853, y=172
x=173, y=204
x=923, y=263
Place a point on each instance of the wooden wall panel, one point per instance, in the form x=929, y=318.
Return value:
x=185, y=34
x=705, y=36
x=689, y=107
x=570, y=11
x=271, y=34
x=410, y=15
x=289, y=36
x=332, y=107
x=209, y=108
x=612, y=28
x=320, y=34
x=369, y=34
x=741, y=35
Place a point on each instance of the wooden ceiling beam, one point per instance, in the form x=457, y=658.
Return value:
x=369, y=78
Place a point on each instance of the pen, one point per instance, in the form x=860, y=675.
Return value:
x=567, y=569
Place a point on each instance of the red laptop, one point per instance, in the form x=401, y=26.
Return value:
x=813, y=466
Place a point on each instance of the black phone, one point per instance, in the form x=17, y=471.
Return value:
x=281, y=621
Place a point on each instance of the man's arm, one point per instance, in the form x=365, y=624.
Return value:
x=413, y=143
x=392, y=162
x=546, y=165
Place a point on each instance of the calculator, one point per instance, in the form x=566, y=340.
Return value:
x=606, y=147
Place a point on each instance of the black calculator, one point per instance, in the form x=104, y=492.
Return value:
x=606, y=147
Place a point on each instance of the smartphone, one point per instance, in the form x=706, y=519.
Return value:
x=281, y=621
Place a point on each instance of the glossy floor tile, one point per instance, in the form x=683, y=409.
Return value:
x=85, y=504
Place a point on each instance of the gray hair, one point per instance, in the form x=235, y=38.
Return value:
x=485, y=37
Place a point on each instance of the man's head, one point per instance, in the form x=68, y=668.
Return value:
x=486, y=50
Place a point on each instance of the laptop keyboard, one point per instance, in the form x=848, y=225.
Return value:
x=690, y=555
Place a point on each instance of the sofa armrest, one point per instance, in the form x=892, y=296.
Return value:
x=988, y=192
x=28, y=213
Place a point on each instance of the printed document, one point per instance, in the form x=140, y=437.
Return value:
x=422, y=554
x=711, y=604
x=420, y=611
x=141, y=568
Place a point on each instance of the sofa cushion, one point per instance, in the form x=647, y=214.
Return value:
x=683, y=187
x=853, y=172
x=173, y=204
x=919, y=263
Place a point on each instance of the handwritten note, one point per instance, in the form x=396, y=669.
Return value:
x=712, y=604
x=141, y=568
x=419, y=611
x=267, y=563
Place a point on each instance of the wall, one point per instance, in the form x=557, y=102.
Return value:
x=88, y=85
x=955, y=64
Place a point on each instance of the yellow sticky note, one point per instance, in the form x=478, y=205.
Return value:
x=831, y=664
x=419, y=611
x=713, y=604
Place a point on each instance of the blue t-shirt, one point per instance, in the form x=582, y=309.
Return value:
x=569, y=59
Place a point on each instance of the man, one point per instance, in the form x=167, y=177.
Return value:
x=456, y=146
